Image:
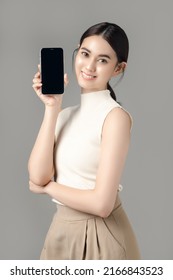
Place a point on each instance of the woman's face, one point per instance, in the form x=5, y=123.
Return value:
x=95, y=64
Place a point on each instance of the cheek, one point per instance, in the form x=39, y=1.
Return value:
x=109, y=72
x=106, y=71
x=78, y=64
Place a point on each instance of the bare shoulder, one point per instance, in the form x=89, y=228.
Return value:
x=118, y=119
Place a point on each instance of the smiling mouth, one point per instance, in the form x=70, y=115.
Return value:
x=87, y=76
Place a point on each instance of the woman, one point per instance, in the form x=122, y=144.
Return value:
x=84, y=148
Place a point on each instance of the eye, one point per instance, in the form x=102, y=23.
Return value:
x=102, y=60
x=83, y=53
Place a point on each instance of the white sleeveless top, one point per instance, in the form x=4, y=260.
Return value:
x=78, y=138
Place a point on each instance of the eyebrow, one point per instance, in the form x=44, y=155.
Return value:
x=100, y=55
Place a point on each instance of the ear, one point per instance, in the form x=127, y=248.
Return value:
x=119, y=69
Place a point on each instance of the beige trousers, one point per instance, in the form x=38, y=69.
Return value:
x=74, y=235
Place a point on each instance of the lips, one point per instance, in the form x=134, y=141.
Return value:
x=87, y=76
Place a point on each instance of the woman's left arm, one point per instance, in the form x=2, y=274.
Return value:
x=114, y=148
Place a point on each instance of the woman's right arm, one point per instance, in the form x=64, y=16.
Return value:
x=40, y=165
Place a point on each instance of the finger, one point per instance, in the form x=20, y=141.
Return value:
x=37, y=89
x=30, y=184
x=37, y=75
x=39, y=68
x=36, y=80
x=66, y=80
x=37, y=85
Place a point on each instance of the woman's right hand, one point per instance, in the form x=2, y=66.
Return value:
x=47, y=99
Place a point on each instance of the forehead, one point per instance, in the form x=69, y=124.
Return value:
x=98, y=45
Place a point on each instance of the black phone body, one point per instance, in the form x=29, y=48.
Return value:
x=52, y=70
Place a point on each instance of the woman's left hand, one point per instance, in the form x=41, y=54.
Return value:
x=36, y=188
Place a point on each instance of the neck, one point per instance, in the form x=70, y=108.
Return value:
x=86, y=91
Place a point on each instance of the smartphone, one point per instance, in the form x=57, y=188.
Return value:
x=52, y=70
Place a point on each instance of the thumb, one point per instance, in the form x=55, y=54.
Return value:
x=66, y=80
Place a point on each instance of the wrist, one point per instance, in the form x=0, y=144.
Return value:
x=48, y=187
x=54, y=101
x=53, y=109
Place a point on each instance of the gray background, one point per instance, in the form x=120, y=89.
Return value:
x=145, y=91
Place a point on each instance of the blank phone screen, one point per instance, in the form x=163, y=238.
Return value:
x=52, y=70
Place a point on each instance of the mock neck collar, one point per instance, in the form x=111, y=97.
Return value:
x=92, y=99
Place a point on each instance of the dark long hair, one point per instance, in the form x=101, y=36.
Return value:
x=117, y=39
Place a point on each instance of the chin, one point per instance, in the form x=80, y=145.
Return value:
x=87, y=86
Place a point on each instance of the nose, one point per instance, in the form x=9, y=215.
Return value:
x=90, y=66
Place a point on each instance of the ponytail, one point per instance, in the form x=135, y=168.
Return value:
x=112, y=93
